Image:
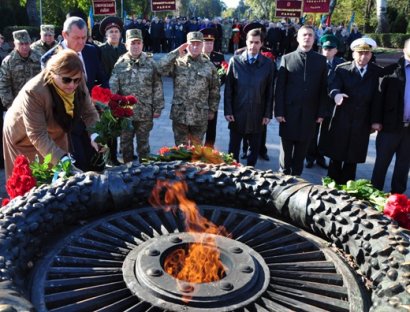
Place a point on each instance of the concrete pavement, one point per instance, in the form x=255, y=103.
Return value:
x=162, y=135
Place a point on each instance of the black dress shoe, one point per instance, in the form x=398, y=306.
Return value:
x=322, y=163
x=309, y=164
x=264, y=157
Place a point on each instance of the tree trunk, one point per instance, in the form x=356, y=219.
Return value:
x=382, y=23
x=367, y=13
x=33, y=15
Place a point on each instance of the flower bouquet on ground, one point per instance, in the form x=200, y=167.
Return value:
x=26, y=175
x=193, y=153
x=395, y=206
x=115, y=116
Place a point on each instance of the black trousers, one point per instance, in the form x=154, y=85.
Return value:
x=292, y=155
x=211, y=131
x=263, y=150
x=254, y=141
x=341, y=171
x=389, y=144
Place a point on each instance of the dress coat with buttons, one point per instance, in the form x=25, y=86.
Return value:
x=249, y=93
x=300, y=94
x=351, y=124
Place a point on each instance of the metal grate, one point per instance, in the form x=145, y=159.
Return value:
x=84, y=271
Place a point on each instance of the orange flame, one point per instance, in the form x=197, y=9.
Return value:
x=200, y=263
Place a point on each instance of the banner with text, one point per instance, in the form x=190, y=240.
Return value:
x=163, y=5
x=288, y=8
x=104, y=7
x=316, y=6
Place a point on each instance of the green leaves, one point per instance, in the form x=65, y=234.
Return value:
x=44, y=172
x=361, y=189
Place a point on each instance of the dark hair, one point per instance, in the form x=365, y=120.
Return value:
x=256, y=32
x=307, y=27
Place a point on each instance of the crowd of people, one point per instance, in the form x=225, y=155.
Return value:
x=324, y=105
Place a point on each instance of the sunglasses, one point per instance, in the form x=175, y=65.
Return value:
x=67, y=80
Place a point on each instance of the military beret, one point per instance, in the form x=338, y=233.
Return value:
x=47, y=29
x=195, y=36
x=110, y=22
x=133, y=34
x=329, y=41
x=21, y=36
x=209, y=33
x=363, y=44
x=254, y=25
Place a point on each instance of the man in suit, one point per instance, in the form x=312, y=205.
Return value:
x=355, y=91
x=300, y=100
x=248, y=97
x=394, y=137
x=329, y=45
x=75, y=38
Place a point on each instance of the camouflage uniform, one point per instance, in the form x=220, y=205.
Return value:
x=41, y=47
x=138, y=77
x=15, y=71
x=226, y=36
x=196, y=93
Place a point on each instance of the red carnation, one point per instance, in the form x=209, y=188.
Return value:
x=224, y=65
x=131, y=99
x=116, y=97
x=101, y=94
x=5, y=201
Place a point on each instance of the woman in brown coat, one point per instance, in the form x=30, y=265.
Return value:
x=40, y=118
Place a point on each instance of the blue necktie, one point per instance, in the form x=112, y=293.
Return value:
x=251, y=60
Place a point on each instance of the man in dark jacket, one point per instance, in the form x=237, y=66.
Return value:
x=355, y=92
x=248, y=96
x=394, y=138
x=300, y=100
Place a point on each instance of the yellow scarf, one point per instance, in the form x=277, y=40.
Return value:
x=68, y=99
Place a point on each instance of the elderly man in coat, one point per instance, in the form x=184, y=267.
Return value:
x=248, y=97
x=355, y=90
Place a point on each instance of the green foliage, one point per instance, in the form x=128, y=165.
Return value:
x=44, y=172
x=361, y=189
x=390, y=40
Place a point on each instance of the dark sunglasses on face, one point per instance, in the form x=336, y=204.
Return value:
x=67, y=80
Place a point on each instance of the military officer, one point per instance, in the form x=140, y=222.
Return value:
x=46, y=41
x=18, y=67
x=135, y=73
x=216, y=58
x=196, y=89
x=111, y=27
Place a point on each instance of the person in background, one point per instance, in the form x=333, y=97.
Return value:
x=135, y=73
x=355, y=91
x=300, y=100
x=40, y=119
x=226, y=35
x=216, y=58
x=196, y=90
x=394, y=136
x=46, y=41
x=329, y=45
x=4, y=48
x=18, y=67
x=248, y=96
x=157, y=34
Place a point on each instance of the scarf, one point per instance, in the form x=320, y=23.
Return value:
x=68, y=99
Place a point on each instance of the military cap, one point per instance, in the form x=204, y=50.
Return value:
x=195, y=36
x=110, y=22
x=47, y=29
x=209, y=33
x=329, y=41
x=363, y=44
x=254, y=25
x=133, y=34
x=21, y=36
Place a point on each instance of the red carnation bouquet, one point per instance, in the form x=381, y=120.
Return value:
x=398, y=208
x=224, y=69
x=21, y=180
x=115, y=112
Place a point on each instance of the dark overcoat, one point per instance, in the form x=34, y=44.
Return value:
x=351, y=124
x=249, y=93
x=301, y=94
